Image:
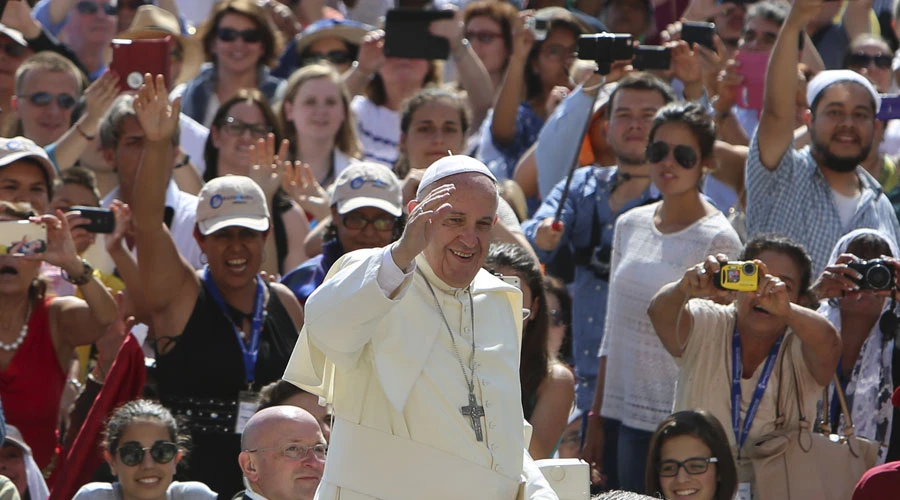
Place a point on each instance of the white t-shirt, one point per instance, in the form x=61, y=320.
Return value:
x=188, y=490
x=379, y=130
x=640, y=373
x=846, y=206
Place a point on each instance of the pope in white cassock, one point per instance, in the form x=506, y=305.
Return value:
x=417, y=348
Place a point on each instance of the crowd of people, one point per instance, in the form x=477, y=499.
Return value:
x=295, y=261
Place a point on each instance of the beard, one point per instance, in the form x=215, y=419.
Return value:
x=837, y=163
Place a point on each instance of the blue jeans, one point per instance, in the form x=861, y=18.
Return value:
x=633, y=447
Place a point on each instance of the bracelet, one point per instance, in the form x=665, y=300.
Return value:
x=356, y=69
x=81, y=132
x=184, y=161
x=85, y=277
x=593, y=413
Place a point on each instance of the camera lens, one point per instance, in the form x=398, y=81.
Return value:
x=749, y=268
x=879, y=277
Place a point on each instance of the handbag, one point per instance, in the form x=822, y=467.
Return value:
x=801, y=464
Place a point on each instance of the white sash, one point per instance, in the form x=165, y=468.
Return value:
x=388, y=467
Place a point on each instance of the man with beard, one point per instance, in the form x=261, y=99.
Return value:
x=596, y=198
x=818, y=193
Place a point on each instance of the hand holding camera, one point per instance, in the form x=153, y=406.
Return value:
x=772, y=294
x=701, y=281
x=849, y=275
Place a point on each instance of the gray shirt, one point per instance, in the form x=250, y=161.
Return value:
x=188, y=490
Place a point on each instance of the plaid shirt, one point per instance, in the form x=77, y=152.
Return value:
x=796, y=201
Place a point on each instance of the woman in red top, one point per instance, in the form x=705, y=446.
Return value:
x=39, y=334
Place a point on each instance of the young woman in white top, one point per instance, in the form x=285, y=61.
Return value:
x=143, y=447
x=653, y=244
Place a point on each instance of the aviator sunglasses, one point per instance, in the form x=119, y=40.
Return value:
x=162, y=452
x=684, y=155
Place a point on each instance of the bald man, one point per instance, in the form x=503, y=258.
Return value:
x=283, y=454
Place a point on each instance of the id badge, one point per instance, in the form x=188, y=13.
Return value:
x=248, y=402
x=743, y=492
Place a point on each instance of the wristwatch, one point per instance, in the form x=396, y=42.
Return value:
x=85, y=277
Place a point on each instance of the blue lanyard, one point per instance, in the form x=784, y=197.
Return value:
x=740, y=433
x=250, y=353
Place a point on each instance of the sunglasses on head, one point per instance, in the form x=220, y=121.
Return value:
x=230, y=34
x=334, y=57
x=13, y=49
x=861, y=60
x=64, y=101
x=684, y=155
x=89, y=8
x=162, y=452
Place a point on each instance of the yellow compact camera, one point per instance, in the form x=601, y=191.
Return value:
x=738, y=276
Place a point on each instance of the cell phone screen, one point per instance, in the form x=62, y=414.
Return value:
x=699, y=33
x=408, y=35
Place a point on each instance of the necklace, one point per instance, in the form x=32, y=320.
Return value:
x=471, y=410
x=22, y=334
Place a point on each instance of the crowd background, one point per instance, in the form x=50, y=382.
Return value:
x=134, y=358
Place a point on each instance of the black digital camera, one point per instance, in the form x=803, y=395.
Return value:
x=599, y=263
x=604, y=49
x=876, y=274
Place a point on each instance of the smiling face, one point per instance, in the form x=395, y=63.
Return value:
x=12, y=465
x=317, y=109
x=683, y=485
x=368, y=236
x=234, y=150
x=281, y=477
x=435, y=128
x=45, y=124
x=460, y=241
x=629, y=124
x=843, y=126
x=147, y=480
x=668, y=175
x=237, y=56
x=234, y=254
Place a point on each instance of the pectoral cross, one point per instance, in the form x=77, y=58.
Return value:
x=475, y=412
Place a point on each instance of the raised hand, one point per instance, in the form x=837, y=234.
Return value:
x=123, y=230
x=699, y=281
x=98, y=97
x=82, y=238
x=837, y=279
x=268, y=167
x=301, y=185
x=772, y=294
x=60, y=250
x=371, y=52
x=451, y=29
x=523, y=38
x=549, y=234
x=728, y=83
x=419, y=225
x=158, y=117
x=556, y=96
x=686, y=66
x=17, y=15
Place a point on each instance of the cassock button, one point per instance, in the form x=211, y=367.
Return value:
x=590, y=320
x=498, y=469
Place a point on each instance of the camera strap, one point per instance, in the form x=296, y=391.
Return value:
x=742, y=431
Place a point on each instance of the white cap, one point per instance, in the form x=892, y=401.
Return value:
x=232, y=200
x=18, y=148
x=368, y=184
x=825, y=78
x=452, y=165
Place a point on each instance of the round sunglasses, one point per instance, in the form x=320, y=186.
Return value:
x=162, y=452
x=684, y=155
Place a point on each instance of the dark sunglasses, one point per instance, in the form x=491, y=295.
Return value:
x=693, y=466
x=684, y=155
x=65, y=101
x=89, y=8
x=483, y=36
x=861, y=60
x=334, y=57
x=13, y=49
x=162, y=452
x=231, y=34
x=358, y=222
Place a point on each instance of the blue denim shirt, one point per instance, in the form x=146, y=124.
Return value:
x=304, y=279
x=588, y=195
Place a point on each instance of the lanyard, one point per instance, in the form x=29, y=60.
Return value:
x=249, y=353
x=740, y=433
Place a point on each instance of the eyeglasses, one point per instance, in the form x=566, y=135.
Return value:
x=295, y=451
x=334, y=57
x=65, y=101
x=693, y=466
x=483, y=36
x=862, y=60
x=358, y=222
x=90, y=8
x=230, y=34
x=162, y=452
x=237, y=128
x=556, y=318
x=13, y=49
x=684, y=155
x=558, y=52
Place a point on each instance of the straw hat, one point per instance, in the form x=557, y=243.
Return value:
x=151, y=21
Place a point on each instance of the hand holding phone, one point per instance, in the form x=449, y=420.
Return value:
x=753, y=67
x=408, y=34
x=132, y=59
x=652, y=57
x=700, y=33
x=101, y=220
x=22, y=237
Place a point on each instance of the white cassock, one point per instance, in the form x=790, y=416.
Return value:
x=388, y=366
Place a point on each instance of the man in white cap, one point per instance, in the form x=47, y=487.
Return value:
x=417, y=348
x=818, y=193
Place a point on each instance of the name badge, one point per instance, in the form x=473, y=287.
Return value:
x=248, y=402
x=743, y=492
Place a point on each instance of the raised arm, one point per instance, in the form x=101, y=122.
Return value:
x=472, y=75
x=776, y=124
x=369, y=61
x=503, y=124
x=99, y=96
x=857, y=18
x=169, y=283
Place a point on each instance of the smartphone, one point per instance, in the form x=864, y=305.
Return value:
x=890, y=107
x=753, y=66
x=652, y=57
x=407, y=34
x=698, y=32
x=133, y=58
x=102, y=219
x=22, y=237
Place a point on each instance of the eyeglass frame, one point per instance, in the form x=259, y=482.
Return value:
x=235, y=127
x=306, y=450
x=482, y=36
x=366, y=221
x=683, y=465
x=887, y=60
x=144, y=451
x=52, y=97
x=107, y=8
x=674, y=150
